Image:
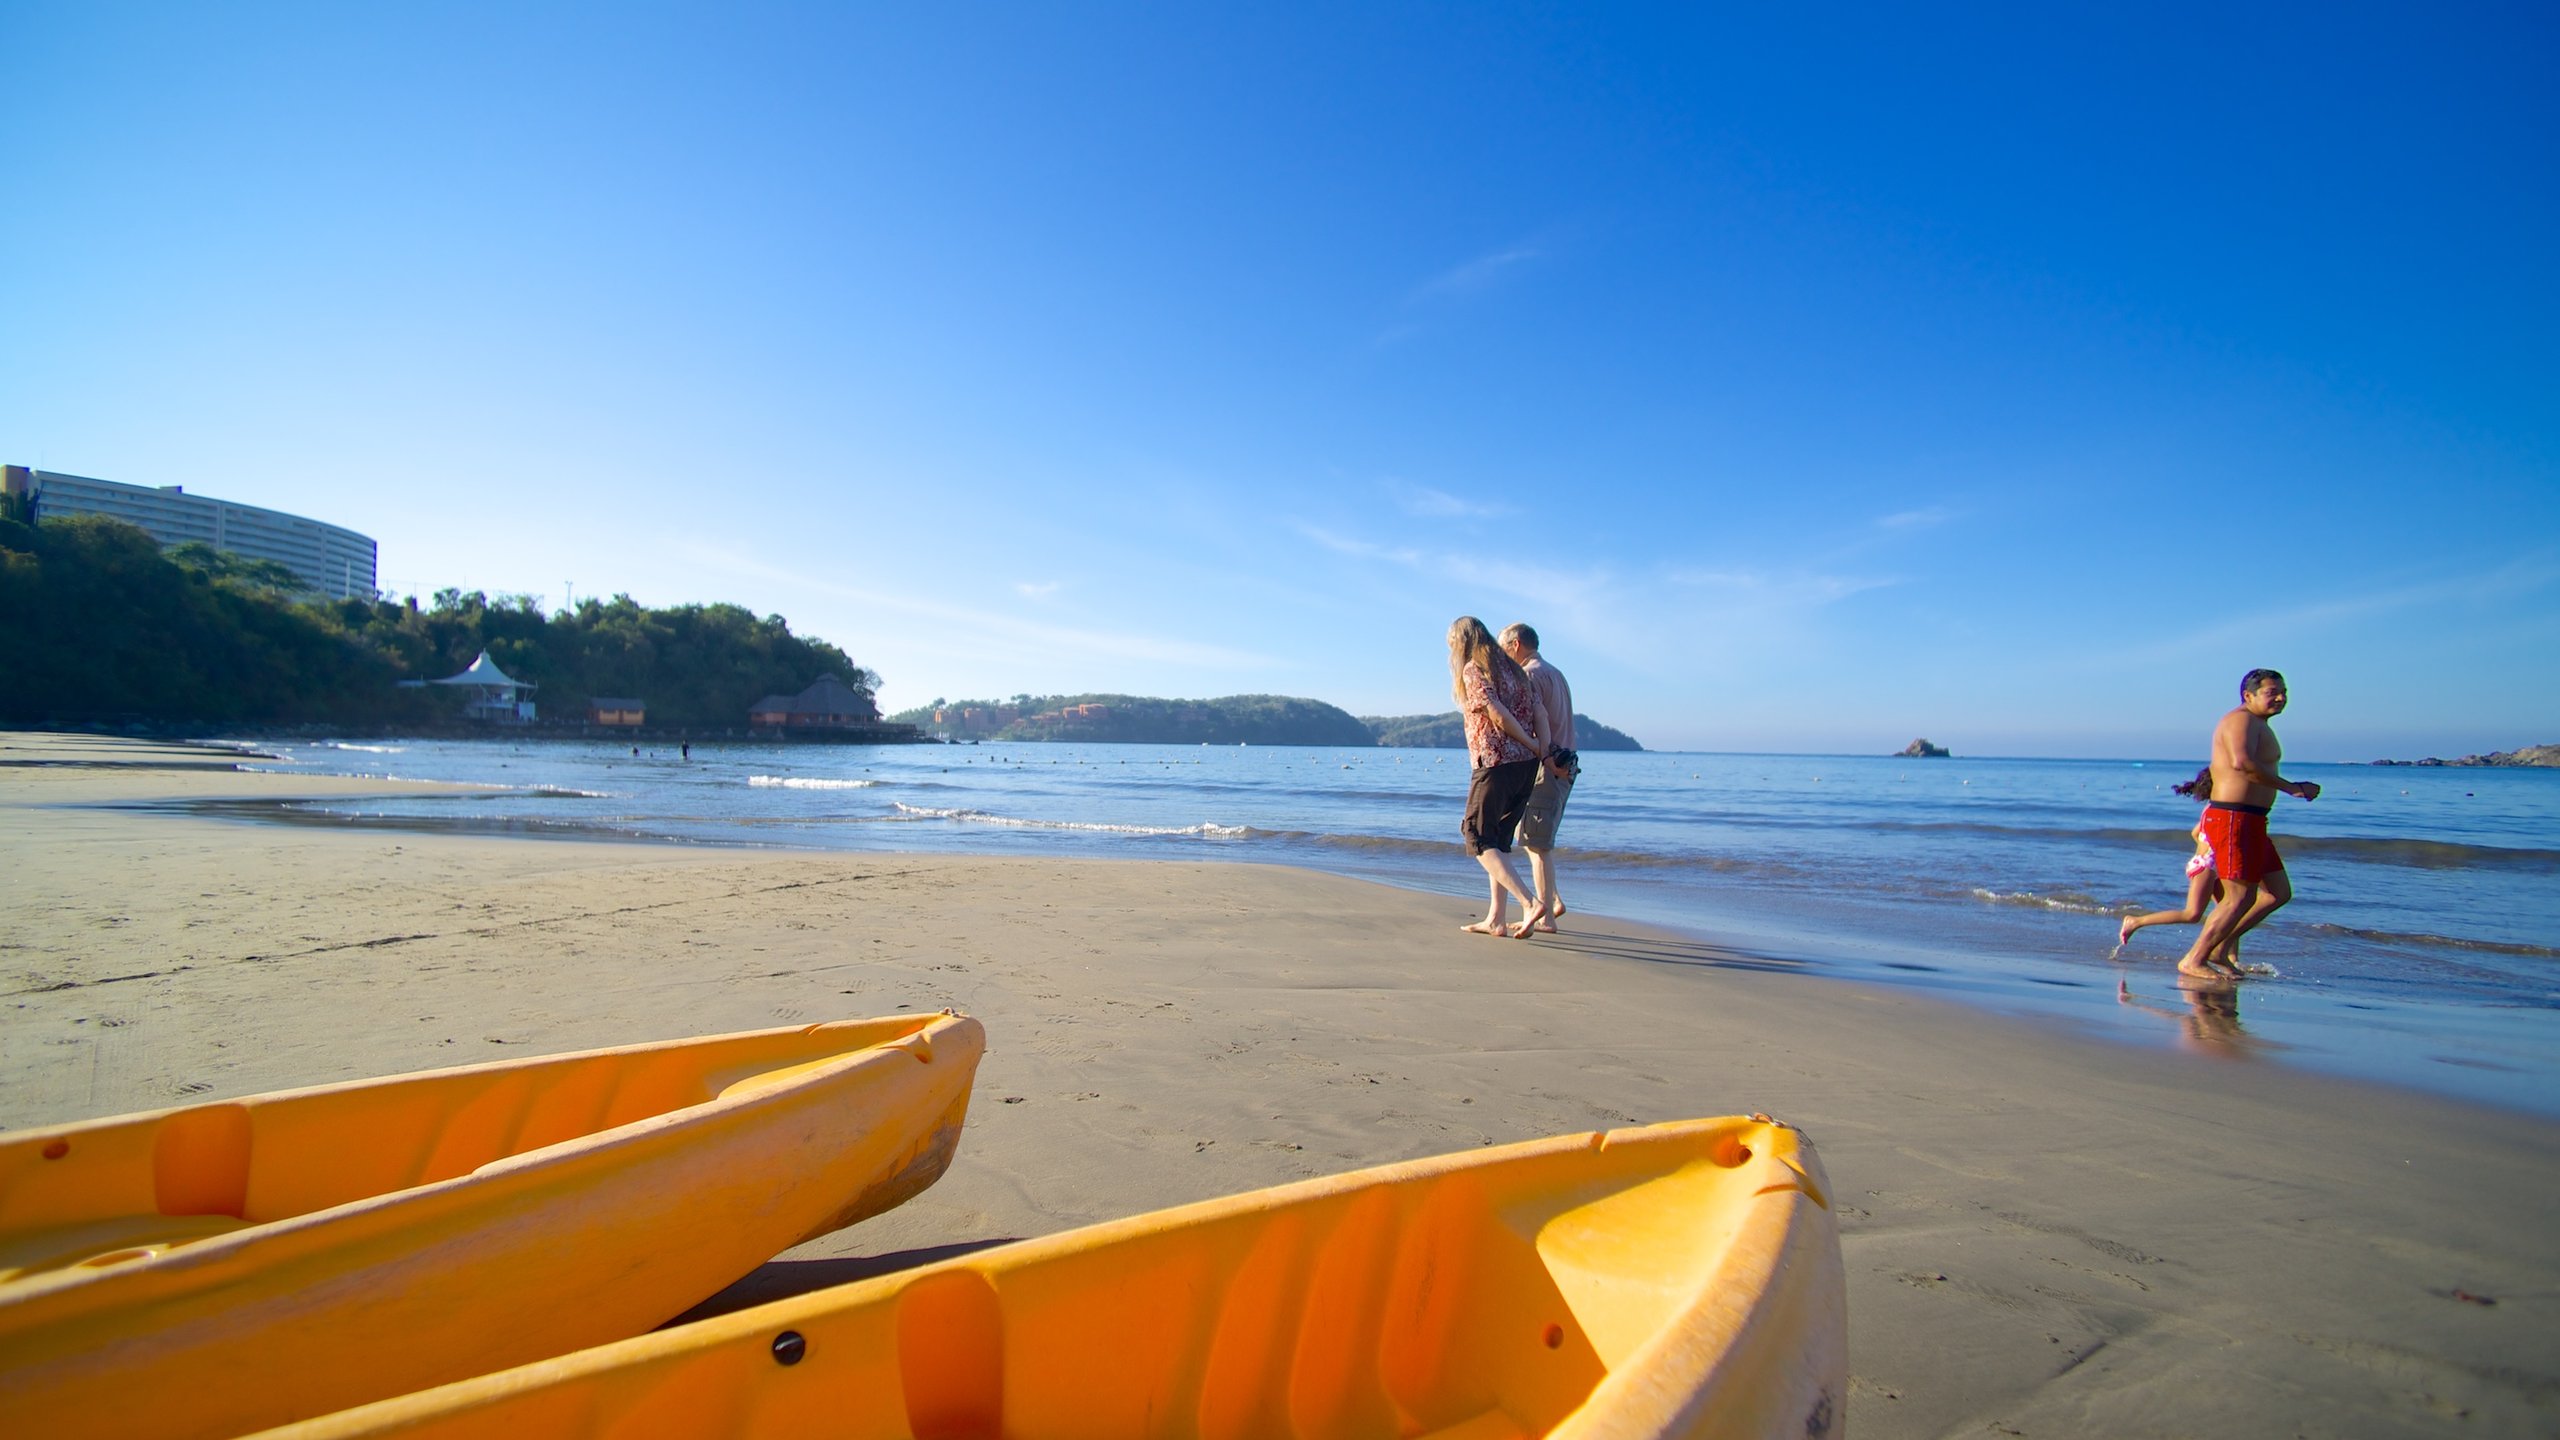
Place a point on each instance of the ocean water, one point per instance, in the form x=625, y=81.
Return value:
x=2422, y=948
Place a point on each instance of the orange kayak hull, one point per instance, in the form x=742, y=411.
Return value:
x=1667, y=1280
x=219, y=1268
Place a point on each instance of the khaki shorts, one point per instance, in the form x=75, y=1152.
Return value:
x=1545, y=809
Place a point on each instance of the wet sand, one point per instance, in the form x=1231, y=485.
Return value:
x=2045, y=1234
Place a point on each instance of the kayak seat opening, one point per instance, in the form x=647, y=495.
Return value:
x=1413, y=1311
x=115, y=1194
x=200, y=1162
x=951, y=1357
x=104, y=1244
x=1477, y=1340
x=771, y=1078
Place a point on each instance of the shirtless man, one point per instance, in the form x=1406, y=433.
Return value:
x=1556, y=771
x=2245, y=784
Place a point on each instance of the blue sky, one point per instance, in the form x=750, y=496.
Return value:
x=1811, y=380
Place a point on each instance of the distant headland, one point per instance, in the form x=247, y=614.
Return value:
x=1446, y=732
x=1922, y=750
x=1226, y=720
x=2543, y=755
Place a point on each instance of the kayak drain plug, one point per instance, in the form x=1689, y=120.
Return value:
x=789, y=1347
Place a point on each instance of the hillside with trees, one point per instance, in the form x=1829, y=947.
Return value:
x=99, y=626
x=1143, y=720
x=1232, y=719
x=1446, y=732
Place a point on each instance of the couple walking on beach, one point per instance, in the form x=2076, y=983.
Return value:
x=1518, y=714
x=2236, y=868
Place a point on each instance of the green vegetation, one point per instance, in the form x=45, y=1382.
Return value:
x=1143, y=720
x=1252, y=719
x=97, y=624
x=1445, y=732
x=1418, y=732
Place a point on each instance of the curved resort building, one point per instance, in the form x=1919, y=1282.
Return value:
x=332, y=562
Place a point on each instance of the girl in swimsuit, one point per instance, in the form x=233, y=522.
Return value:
x=2203, y=886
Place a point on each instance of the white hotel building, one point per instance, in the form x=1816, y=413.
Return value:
x=331, y=562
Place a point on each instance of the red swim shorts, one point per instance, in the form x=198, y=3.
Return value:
x=2242, y=853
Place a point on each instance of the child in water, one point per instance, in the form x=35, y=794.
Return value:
x=2204, y=888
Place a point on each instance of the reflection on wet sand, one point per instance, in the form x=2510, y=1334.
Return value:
x=2211, y=1022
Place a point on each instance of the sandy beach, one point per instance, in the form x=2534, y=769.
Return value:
x=2045, y=1234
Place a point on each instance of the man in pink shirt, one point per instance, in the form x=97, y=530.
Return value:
x=1555, y=771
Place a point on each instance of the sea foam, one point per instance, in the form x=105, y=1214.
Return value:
x=1204, y=830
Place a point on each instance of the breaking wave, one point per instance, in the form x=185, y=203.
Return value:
x=2448, y=942
x=2413, y=851
x=2068, y=901
x=1204, y=831
x=807, y=782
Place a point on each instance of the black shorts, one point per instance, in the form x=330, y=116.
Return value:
x=1495, y=798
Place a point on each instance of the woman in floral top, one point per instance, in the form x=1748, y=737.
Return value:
x=1503, y=723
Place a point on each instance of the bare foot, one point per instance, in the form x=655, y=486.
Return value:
x=1487, y=927
x=2200, y=972
x=2124, y=933
x=1522, y=931
x=1544, y=922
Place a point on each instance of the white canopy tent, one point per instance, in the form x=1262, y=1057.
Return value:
x=495, y=696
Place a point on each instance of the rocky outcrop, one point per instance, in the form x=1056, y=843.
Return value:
x=2547, y=755
x=1922, y=750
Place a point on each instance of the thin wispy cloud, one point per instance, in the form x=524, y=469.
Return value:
x=1425, y=503
x=2502, y=585
x=1791, y=588
x=1475, y=275
x=1586, y=602
x=1914, y=519
x=1362, y=549
x=1031, y=590
x=1658, y=622
x=968, y=630
x=1455, y=286
x=1540, y=584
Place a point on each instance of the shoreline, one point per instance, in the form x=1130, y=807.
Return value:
x=2050, y=969
x=2041, y=1234
x=213, y=735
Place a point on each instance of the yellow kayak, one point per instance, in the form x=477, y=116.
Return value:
x=1666, y=1280
x=219, y=1268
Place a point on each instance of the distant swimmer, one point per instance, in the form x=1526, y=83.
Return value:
x=1500, y=712
x=1556, y=771
x=2245, y=786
